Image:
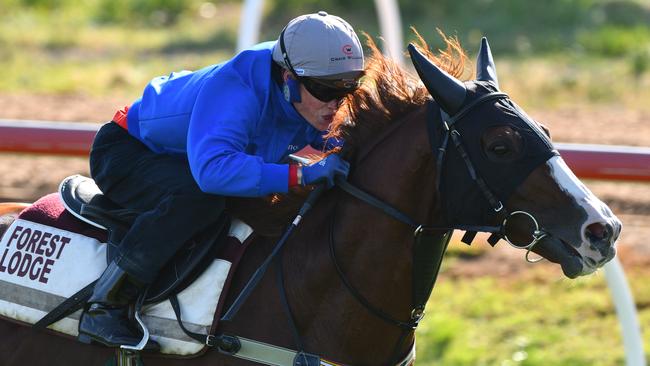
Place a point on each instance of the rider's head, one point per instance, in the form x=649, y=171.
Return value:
x=323, y=53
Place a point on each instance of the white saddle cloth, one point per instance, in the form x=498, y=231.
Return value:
x=41, y=266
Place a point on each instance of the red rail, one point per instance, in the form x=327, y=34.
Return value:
x=587, y=161
x=60, y=138
x=607, y=162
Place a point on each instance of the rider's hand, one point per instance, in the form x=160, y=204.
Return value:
x=325, y=170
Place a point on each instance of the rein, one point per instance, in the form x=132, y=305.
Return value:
x=449, y=125
x=498, y=232
x=451, y=133
x=430, y=242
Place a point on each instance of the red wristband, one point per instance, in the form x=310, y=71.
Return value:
x=120, y=117
x=295, y=175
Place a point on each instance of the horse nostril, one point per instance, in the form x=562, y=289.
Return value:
x=598, y=232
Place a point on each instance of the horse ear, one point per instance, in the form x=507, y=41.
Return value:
x=485, y=69
x=448, y=91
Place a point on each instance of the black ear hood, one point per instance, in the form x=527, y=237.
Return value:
x=472, y=118
x=448, y=91
x=485, y=68
x=501, y=178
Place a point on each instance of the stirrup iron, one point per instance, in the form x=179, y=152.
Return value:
x=145, y=335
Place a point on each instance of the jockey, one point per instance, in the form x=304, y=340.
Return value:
x=194, y=138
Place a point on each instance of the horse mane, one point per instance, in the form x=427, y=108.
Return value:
x=388, y=93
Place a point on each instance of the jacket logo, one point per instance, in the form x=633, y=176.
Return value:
x=292, y=147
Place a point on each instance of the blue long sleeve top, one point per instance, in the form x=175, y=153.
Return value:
x=231, y=121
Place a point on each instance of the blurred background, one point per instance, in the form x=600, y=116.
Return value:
x=582, y=67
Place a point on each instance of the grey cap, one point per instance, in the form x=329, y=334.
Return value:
x=321, y=45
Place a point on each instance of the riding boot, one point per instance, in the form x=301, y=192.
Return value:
x=106, y=317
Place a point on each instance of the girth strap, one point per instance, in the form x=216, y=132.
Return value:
x=225, y=343
x=248, y=349
x=67, y=307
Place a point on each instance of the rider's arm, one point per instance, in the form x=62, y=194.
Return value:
x=223, y=122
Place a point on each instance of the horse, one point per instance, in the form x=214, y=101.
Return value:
x=429, y=154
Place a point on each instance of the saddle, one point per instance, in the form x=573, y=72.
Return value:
x=51, y=259
x=85, y=201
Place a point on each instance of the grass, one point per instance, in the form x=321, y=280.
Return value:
x=536, y=319
x=65, y=51
x=558, y=81
x=42, y=53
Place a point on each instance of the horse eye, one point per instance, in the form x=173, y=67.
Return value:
x=499, y=149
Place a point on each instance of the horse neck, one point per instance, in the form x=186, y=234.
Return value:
x=400, y=170
x=373, y=250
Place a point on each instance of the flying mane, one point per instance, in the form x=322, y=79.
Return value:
x=388, y=93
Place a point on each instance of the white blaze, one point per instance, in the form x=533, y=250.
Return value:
x=595, y=209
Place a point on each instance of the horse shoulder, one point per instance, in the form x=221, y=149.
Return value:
x=268, y=216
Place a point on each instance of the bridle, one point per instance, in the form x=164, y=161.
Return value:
x=449, y=125
x=429, y=242
x=451, y=133
x=537, y=235
x=421, y=231
x=425, y=236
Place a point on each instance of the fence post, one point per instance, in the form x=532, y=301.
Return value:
x=626, y=311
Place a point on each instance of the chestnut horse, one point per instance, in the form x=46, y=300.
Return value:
x=446, y=154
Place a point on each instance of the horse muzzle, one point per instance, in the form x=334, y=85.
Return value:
x=598, y=246
x=599, y=242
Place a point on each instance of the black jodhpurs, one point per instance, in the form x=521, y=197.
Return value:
x=161, y=186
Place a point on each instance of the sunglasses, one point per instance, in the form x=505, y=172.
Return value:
x=324, y=90
x=327, y=90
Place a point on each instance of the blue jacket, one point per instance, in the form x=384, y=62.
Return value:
x=230, y=119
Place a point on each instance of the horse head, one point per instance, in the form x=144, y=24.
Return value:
x=501, y=168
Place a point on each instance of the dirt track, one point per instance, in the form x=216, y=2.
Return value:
x=26, y=177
